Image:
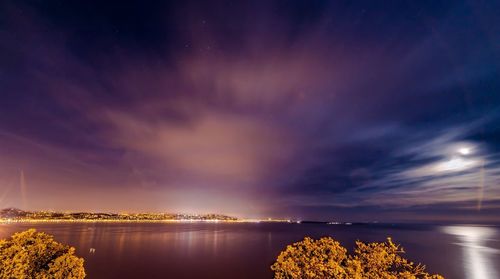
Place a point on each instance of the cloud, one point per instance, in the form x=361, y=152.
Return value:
x=275, y=111
x=211, y=146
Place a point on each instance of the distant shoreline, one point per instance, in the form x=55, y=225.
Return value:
x=15, y=215
x=21, y=221
x=4, y=221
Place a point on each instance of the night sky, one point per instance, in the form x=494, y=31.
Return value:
x=324, y=110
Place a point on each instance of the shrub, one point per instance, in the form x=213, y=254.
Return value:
x=326, y=258
x=32, y=254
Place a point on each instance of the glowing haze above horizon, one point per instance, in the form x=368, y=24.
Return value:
x=324, y=110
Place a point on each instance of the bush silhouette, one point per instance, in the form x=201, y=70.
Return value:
x=31, y=254
x=326, y=258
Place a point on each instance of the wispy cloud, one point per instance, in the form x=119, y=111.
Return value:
x=265, y=112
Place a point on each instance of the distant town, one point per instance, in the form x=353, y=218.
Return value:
x=15, y=215
x=18, y=215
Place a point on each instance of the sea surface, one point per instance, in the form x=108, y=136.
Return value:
x=246, y=250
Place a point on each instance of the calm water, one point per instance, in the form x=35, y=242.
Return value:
x=205, y=250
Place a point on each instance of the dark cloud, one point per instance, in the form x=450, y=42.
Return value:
x=259, y=108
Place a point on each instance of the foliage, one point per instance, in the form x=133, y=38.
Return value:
x=326, y=258
x=32, y=254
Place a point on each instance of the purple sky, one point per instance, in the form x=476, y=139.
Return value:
x=299, y=109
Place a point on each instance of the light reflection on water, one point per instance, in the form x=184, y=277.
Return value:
x=478, y=258
x=245, y=251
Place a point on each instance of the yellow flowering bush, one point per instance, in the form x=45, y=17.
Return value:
x=326, y=258
x=32, y=254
